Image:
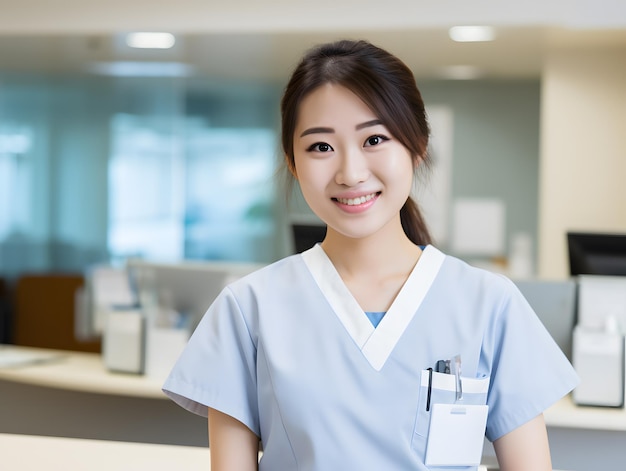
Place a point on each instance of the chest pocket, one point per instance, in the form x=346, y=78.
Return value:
x=443, y=391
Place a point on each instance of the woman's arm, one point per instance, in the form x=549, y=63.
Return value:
x=525, y=449
x=232, y=444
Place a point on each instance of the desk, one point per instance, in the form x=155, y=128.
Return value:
x=76, y=371
x=584, y=438
x=85, y=372
x=72, y=394
x=566, y=414
x=34, y=453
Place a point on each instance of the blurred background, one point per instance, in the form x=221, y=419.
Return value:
x=112, y=148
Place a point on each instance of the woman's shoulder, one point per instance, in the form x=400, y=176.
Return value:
x=464, y=274
x=271, y=274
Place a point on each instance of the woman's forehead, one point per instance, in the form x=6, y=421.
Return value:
x=332, y=103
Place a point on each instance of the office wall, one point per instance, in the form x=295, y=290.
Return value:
x=495, y=145
x=583, y=150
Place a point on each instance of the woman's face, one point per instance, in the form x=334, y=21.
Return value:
x=353, y=173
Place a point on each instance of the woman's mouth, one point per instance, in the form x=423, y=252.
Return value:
x=357, y=201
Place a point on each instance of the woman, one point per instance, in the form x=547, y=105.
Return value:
x=372, y=350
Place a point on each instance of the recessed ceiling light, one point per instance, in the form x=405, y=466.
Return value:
x=150, y=40
x=140, y=69
x=472, y=33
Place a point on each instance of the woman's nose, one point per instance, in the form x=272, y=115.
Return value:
x=353, y=168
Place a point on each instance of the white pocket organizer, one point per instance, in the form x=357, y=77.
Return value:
x=449, y=434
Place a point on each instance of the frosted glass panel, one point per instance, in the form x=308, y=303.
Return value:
x=145, y=188
x=185, y=190
x=15, y=179
x=230, y=193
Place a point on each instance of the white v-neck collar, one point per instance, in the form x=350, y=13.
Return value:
x=376, y=344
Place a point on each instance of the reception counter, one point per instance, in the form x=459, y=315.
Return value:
x=34, y=453
x=73, y=371
x=566, y=414
x=85, y=372
x=70, y=394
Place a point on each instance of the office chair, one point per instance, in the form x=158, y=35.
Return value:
x=5, y=313
x=44, y=312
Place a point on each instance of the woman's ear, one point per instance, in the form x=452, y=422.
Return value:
x=417, y=161
x=292, y=167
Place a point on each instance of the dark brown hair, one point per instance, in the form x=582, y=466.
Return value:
x=385, y=84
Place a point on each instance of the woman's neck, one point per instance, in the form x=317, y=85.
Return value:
x=374, y=268
x=385, y=252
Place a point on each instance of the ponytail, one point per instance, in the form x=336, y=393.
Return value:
x=413, y=223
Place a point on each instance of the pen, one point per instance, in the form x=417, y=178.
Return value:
x=442, y=366
x=430, y=388
x=457, y=376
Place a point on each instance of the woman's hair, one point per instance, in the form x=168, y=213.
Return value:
x=385, y=84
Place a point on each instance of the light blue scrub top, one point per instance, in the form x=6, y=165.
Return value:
x=288, y=352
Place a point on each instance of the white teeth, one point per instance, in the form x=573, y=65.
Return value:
x=356, y=201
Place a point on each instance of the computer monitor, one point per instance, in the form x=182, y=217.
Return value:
x=597, y=253
x=554, y=302
x=306, y=236
x=188, y=287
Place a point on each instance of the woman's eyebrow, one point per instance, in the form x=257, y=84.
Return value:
x=306, y=132
x=367, y=124
x=358, y=127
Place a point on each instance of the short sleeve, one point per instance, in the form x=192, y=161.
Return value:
x=529, y=372
x=217, y=368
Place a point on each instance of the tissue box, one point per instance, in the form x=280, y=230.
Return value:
x=163, y=347
x=123, y=340
x=601, y=298
x=598, y=357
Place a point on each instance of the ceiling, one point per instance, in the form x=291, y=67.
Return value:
x=261, y=41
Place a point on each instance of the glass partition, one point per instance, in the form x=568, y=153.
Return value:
x=97, y=169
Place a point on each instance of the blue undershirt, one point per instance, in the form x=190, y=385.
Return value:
x=375, y=317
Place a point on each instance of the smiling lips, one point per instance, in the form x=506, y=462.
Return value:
x=358, y=204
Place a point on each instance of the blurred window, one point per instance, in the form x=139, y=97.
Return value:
x=15, y=179
x=181, y=189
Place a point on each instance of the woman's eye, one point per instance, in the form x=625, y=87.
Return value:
x=320, y=147
x=375, y=140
